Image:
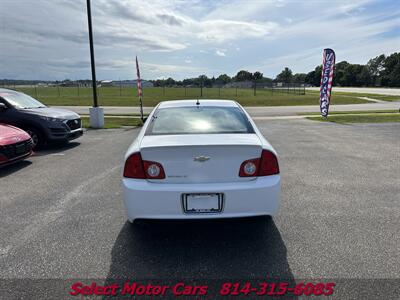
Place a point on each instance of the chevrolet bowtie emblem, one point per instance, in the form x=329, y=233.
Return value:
x=201, y=158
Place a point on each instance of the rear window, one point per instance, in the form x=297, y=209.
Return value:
x=199, y=120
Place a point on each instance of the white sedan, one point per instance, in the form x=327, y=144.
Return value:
x=198, y=159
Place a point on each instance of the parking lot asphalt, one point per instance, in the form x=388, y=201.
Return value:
x=62, y=214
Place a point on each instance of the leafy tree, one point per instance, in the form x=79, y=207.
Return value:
x=356, y=75
x=299, y=77
x=203, y=80
x=243, y=75
x=391, y=72
x=339, y=73
x=224, y=79
x=349, y=78
x=309, y=79
x=257, y=75
x=314, y=77
x=158, y=82
x=363, y=76
x=170, y=82
x=376, y=66
x=285, y=76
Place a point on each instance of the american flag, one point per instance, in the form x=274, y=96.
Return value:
x=139, y=81
x=328, y=64
x=139, y=88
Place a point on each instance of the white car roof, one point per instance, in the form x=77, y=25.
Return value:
x=192, y=102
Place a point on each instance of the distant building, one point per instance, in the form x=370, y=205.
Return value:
x=131, y=83
x=67, y=83
x=106, y=83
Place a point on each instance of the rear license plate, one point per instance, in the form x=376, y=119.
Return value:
x=20, y=149
x=202, y=203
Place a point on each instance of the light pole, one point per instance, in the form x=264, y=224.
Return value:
x=96, y=112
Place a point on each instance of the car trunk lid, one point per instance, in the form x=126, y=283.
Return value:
x=201, y=158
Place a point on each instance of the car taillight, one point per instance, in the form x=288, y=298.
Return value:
x=137, y=168
x=266, y=165
x=249, y=168
x=134, y=167
x=153, y=170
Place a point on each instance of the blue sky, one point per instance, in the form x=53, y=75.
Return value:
x=47, y=39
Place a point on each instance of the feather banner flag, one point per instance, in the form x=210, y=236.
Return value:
x=328, y=64
x=139, y=88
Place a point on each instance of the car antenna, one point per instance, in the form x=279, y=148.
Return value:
x=197, y=102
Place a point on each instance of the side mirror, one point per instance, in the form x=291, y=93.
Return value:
x=3, y=106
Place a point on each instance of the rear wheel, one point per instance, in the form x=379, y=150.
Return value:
x=37, y=137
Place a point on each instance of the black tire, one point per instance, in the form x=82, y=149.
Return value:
x=37, y=137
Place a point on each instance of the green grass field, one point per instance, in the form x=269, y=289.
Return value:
x=113, y=96
x=110, y=122
x=360, y=118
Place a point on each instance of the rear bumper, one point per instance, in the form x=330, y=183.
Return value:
x=146, y=200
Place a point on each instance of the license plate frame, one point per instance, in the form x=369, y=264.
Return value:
x=202, y=203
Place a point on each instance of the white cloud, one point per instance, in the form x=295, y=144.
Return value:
x=220, y=52
x=167, y=68
x=221, y=31
x=353, y=6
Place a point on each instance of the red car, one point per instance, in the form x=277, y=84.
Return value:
x=15, y=144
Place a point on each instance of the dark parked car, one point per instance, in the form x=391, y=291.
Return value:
x=44, y=124
x=15, y=144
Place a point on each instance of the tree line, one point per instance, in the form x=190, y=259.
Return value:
x=379, y=71
x=221, y=80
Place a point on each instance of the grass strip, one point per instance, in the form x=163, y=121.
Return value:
x=114, y=122
x=367, y=118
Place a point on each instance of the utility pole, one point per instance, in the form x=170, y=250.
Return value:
x=96, y=113
x=163, y=87
x=201, y=87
